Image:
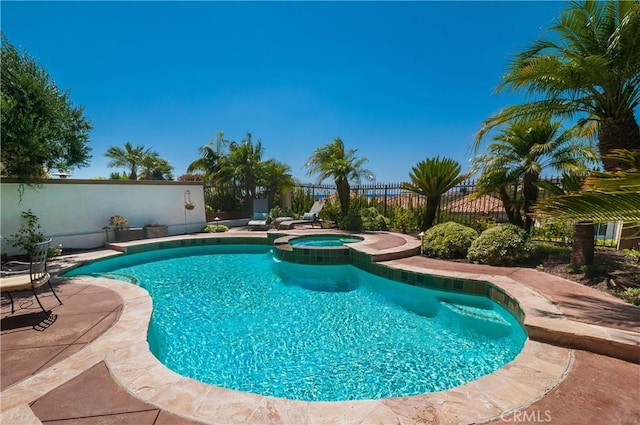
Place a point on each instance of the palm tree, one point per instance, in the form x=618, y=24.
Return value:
x=589, y=69
x=525, y=148
x=432, y=178
x=155, y=168
x=498, y=180
x=276, y=177
x=334, y=161
x=130, y=157
x=241, y=165
x=606, y=196
x=583, y=246
x=208, y=163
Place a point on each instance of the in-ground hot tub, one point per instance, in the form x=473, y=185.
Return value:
x=324, y=240
x=315, y=249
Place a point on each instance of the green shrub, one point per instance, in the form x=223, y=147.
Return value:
x=373, y=220
x=352, y=221
x=482, y=223
x=407, y=221
x=553, y=232
x=215, y=228
x=501, y=245
x=30, y=233
x=632, y=295
x=546, y=251
x=448, y=240
x=331, y=212
x=278, y=211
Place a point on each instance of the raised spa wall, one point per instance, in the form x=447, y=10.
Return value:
x=347, y=254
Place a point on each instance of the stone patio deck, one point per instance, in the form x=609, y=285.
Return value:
x=89, y=363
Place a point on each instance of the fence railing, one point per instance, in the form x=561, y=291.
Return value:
x=400, y=206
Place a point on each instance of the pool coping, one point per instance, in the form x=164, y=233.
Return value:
x=533, y=373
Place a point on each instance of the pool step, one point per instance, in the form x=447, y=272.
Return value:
x=476, y=313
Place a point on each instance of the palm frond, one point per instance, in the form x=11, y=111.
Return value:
x=591, y=207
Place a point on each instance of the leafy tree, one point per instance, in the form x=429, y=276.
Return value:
x=41, y=129
x=523, y=150
x=131, y=157
x=432, y=178
x=334, y=161
x=588, y=69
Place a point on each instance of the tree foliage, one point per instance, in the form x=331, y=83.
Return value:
x=432, y=178
x=520, y=152
x=240, y=164
x=588, y=70
x=334, y=161
x=41, y=128
x=606, y=196
x=137, y=158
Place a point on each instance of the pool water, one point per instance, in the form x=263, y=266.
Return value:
x=323, y=240
x=234, y=317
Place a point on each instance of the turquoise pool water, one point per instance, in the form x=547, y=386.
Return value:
x=329, y=240
x=234, y=317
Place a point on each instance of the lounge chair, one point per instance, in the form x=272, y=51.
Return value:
x=260, y=218
x=37, y=276
x=311, y=217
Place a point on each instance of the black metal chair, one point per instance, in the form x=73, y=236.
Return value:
x=37, y=276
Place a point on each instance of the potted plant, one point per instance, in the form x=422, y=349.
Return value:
x=155, y=230
x=122, y=231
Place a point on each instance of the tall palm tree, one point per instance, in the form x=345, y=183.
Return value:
x=525, y=148
x=241, y=165
x=333, y=161
x=432, y=178
x=208, y=163
x=130, y=157
x=589, y=69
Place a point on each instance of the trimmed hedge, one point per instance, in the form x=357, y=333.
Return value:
x=448, y=240
x=501, y=245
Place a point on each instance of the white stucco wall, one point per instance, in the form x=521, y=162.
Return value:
x=74, y=212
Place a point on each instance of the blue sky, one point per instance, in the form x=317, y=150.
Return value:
x=398, y=81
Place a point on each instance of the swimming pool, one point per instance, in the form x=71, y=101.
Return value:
x=310, y=332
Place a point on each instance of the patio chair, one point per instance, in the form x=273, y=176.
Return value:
x=311, y=217
x=37, y=276
x=260, y=217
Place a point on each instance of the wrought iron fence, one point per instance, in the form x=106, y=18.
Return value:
x=404, y=209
